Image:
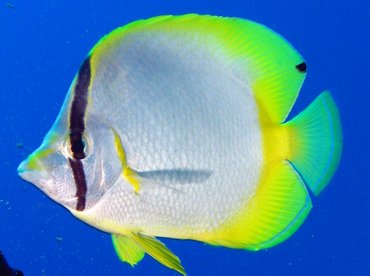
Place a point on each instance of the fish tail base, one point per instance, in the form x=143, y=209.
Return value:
x=316, y=142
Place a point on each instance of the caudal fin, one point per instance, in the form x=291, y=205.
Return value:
x=316, y=142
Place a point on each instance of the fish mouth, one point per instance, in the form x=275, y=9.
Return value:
x=34, y=171
x=27, y=172
x=31, y=170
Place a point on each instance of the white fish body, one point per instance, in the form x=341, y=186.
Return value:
x=186, y=127
x=174, y=127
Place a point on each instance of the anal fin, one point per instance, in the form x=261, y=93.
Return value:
x=278, y=208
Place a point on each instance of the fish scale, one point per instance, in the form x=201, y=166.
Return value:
x=182, y=134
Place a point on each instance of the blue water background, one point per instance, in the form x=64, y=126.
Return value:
x=42, y=44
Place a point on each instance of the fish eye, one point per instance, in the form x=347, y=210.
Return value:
x=78, y=148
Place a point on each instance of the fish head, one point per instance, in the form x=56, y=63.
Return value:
x=55, y=170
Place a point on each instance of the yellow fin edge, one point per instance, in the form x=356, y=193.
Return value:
x=131, y=248
x=278, y=207
x=280, y=203
x=127, y=173
x=158, y=251
x=127, y=250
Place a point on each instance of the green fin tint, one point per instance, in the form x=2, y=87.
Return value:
x=256, y=55
x=316, y=141
x=279, y=207
x=287, y=207
x=132, y=248
x=127, y=250
x=275, y=69
x=158, y=251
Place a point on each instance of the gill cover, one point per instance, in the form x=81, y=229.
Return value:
x=77, y=161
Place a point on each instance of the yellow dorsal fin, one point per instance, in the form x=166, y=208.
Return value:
x=127, y=250
x=264, y=60
x=158, y=251
x=128, y=174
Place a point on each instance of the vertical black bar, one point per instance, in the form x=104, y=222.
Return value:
x=77, y=128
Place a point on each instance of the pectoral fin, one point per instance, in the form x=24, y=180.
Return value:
x=165, y=177
x=128, y=174
x=176, y=176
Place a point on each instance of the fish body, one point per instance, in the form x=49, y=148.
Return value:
x=175, y=126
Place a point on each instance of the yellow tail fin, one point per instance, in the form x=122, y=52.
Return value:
x=316, y=142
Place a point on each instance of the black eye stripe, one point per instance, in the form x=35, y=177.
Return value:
x=80, y=180
x=76, y=130
x=79, y=103
x=78, y=108
x=77, y=145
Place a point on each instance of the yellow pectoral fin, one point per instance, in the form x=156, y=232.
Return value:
x=158, y=251
x=128, y=174
x=131, y=177
x=127, y=250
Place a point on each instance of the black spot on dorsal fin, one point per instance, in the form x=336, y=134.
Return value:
x=302, y=67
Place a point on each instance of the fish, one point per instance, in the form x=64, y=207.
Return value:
x=6, y=270
x=176, y=126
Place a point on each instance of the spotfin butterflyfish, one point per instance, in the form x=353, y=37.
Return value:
x=176, y=126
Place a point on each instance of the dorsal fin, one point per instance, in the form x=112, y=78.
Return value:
x=257, y=56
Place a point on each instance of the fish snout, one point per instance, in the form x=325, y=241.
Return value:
x=47, y=169
x=33, y=170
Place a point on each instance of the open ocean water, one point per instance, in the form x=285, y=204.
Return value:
x=41, y=47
